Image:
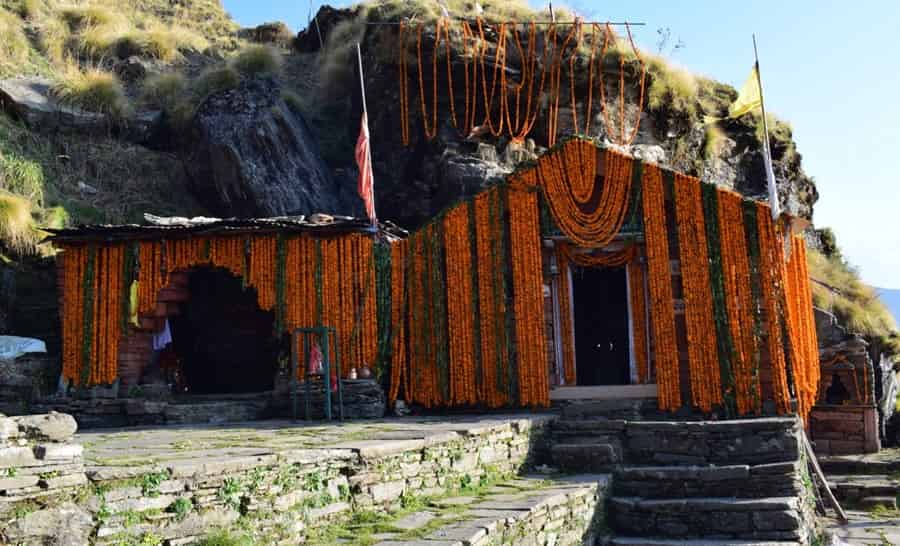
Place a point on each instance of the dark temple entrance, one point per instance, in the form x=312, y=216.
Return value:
x=601, y=326
x=223, y=340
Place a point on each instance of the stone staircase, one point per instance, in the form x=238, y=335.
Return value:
x=864, y=481
x=691, y=482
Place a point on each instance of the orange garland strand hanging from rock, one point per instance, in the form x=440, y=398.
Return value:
x=660, y=280
x=706, y=383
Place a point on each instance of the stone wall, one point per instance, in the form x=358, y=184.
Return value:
x=279, y=495
x=842, y=430
x=42, y=473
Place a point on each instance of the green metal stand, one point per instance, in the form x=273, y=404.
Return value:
x=326, y=333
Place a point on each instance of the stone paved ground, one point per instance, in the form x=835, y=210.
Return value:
x=154, y=445
x=865, y=529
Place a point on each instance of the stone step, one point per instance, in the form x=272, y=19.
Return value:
x=589, y=426
x=885, y=501
x=854, y=487
x=642, y=541
x=774, y=518
x=625, y=408
x=740, y=481
x=855, y=464
x=585, y=457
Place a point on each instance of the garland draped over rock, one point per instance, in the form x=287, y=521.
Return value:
x=695, y=280
x=304, y=281
x=665, y=345
x=505, y=111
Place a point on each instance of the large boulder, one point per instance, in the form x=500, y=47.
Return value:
x=63, y=525
x=252, y=155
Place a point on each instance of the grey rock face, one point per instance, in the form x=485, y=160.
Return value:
x=65, y=525
x=251, y=155
x=31, y=101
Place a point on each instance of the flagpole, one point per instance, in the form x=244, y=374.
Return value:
x=767, y=150
x=362, y=87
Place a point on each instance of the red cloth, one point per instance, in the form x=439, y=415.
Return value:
x=366, y=179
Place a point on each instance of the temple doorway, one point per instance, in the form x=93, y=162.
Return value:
x=600, y=301
x=222, y=340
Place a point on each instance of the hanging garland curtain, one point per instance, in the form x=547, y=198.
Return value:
x=460, y=311
x=660, y=280
x=739, y=302
x=771, y=272
x=802, y=328
x=527, y=274
x=695, y=278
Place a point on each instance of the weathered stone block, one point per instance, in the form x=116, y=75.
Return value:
x=54, y=427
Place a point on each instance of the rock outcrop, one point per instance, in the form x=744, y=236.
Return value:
x=31, y=101
x=414, y=182
x=252, y=155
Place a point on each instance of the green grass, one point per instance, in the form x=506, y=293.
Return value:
x=226, y=538
x=91, y=89
x=257, y=60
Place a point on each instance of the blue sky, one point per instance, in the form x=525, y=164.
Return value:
x=830, y=68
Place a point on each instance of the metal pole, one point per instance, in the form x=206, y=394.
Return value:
x=362, y=87
x=294, y=373
x=773, y=191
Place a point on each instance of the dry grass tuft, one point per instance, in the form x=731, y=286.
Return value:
x=14, y=45
x=164, y=91
x=855, y=303
x=257, y=60
x=17, y=230
x=92, y=89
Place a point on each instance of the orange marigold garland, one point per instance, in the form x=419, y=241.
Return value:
x=771, y=271
x=262, y=270
x=589, y=213
x=460, y=314
x=739, y=302
x=802, y=328
x=399, y=358
x=660, y=281
x=706, y=390
x=525, y=241
x=73, y=266
x=491, y=321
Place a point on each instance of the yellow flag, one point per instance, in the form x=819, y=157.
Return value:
x=749, y=98
x=133, y=304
